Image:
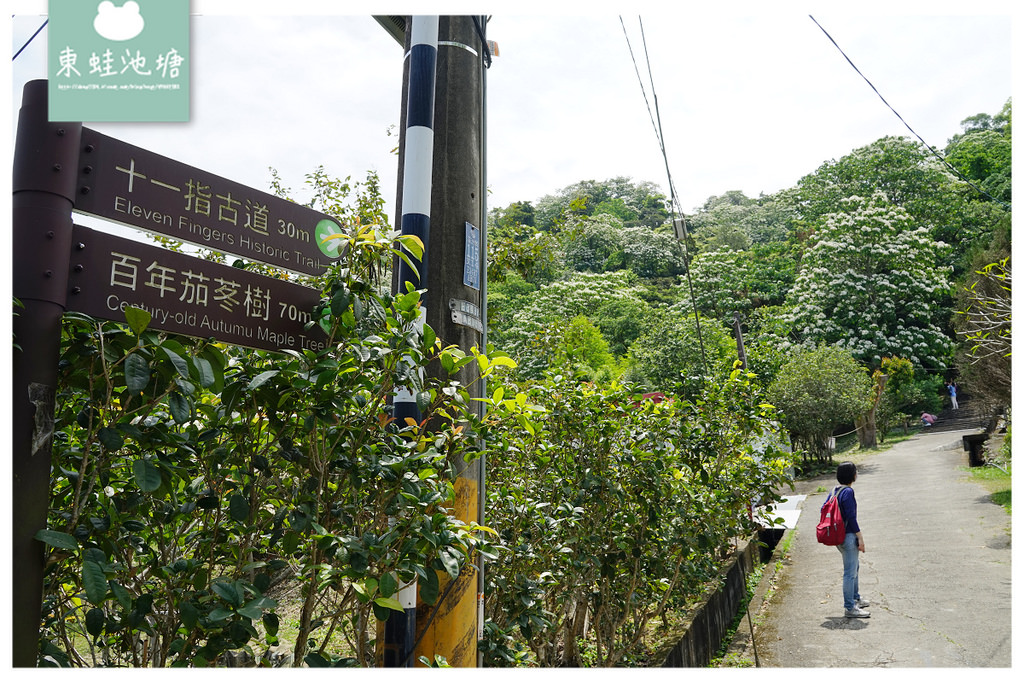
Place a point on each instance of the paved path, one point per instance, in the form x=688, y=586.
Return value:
x=936, y=570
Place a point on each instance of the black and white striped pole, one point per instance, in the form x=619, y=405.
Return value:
x=417, y=172
x=418, y=149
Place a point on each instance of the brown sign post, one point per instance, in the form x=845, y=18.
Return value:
x=131, y=185
x=58, y=266
x=188, y=295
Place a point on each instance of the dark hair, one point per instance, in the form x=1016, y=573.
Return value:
x=846, y=473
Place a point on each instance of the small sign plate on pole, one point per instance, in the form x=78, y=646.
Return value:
x=131, y=185
x=471, y=267
x=467, y=314
x=188, y=295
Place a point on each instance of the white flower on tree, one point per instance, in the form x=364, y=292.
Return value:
x=869, y=284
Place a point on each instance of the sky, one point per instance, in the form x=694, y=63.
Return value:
x=748, y=99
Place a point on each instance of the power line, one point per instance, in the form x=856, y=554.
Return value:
x=930, y=148
x=676, y=209
x=30, y=39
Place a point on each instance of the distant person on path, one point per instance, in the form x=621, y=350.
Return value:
x=952, y=395
x=854, y=605
x=928, y=419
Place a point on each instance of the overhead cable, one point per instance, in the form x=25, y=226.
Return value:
x=656, y=122
x=30, y=40
x=930, y=148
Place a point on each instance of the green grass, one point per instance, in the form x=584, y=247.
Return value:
x=997, y=482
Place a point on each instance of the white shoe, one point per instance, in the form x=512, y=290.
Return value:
x=857, y=613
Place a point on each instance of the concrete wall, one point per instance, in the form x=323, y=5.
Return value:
x=703, y=636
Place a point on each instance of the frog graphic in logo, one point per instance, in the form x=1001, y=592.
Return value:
x=118, y=23
x=329, y=238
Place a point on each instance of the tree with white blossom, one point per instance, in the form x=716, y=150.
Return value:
x=872, y=283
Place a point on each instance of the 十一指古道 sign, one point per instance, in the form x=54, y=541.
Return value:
x=131, y=185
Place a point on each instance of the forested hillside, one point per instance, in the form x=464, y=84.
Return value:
x=873, y=253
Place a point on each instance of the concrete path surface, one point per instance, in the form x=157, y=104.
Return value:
x=936, y=571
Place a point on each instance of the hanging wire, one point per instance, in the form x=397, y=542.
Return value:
x=674, y=198
x=930, y=148
x=483, y=41
x=30, y=40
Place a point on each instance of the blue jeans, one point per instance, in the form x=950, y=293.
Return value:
x=851, y=571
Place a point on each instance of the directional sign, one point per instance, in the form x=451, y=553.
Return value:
x=131, y=185
x=188, y=295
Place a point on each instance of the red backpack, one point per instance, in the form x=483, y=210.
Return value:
x=831, y=528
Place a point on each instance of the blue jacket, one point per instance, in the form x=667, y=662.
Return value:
x=847, y=508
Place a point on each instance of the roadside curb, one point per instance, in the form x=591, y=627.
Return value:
x=741, y=645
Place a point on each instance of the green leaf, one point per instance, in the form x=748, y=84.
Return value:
x=121, y=594
x=290, y=542
x=228, y=591
x=381, y=613
x=271, y=622
x=137, y=319
x=413, y=244
x=179, y=363
x=147, y=476
x=261, y=379
x=207, y=374
x=181, y=409
x=95, y=555
x=57, y=539
x=220, y=614
x=429, y=587
x=365, y=589
x=136, y=373
x=238, y=507
x=389, y=603
x=250, y=611
x=451, y=564
x=110, y=438
x=263, y=602
x=316, y=660
x=447, y=362
x=388, y=585
x=189, y=615
x=340, y=302
x=422, y=400
x=94, y=581
x=94, y=620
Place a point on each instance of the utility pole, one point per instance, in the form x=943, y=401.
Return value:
x=737, y=328
x=456, y=284
x=456, y=287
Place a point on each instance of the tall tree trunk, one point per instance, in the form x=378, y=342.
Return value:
x=867, y=429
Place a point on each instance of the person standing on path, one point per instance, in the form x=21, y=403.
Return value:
x=952, y=395
x=854, y=605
